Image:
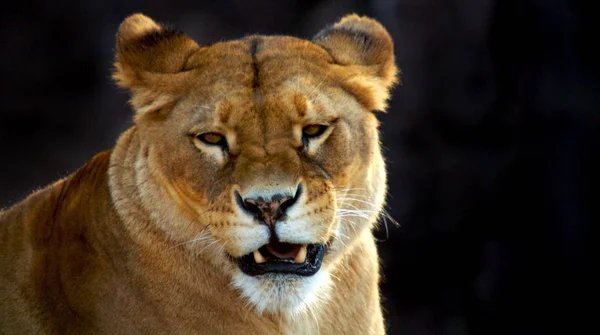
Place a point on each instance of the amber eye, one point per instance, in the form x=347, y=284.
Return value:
x=212, y=138
x=313, y=130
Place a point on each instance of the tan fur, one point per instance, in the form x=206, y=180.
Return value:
x=140, y=239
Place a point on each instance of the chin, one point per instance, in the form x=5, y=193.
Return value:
x=284, y=279
x=282, y=294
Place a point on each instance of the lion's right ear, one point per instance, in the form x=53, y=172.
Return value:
x=148, y=58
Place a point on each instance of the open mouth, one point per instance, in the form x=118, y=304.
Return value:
x=284, y=258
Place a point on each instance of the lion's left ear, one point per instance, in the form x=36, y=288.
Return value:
x=150, y=58
x=366, y=48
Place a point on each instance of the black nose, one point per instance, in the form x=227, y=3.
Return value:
x=268, y=212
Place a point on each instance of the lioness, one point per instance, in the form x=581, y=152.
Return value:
x=240, y=202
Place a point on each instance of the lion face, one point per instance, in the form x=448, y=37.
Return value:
x=261, y=154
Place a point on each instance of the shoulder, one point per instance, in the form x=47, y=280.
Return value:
x=61, y=197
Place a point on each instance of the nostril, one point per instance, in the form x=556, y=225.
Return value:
x=238, y=199
x=291, y=201
x=299, y=191
x=248, y=204
x=251, y=206
x=244, y=204
x=288, y=203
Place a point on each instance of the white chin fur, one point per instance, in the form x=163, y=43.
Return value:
x=288, y=296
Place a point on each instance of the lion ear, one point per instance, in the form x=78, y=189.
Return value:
x=148, y=58
x=366, y=48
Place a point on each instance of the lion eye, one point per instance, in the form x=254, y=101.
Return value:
x=313, y=130
x=212, y=138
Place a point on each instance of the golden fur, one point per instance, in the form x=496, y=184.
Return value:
x=141, y=238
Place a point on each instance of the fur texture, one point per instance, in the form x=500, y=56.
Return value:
x=142, y=238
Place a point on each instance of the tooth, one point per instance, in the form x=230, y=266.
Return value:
x=301, y=256
x=258, y=257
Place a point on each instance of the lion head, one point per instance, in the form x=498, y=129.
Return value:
x=260, y=154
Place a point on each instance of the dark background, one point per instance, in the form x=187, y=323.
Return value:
x=490, y=141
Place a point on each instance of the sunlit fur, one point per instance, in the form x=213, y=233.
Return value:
x=143, y=237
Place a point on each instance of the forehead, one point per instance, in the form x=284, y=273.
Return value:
x=258, y=63
x=258, y=77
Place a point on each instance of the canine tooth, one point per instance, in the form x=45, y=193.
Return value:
x=258, y=257
x=301, y=256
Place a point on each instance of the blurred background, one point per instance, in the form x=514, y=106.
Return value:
x=490, y=141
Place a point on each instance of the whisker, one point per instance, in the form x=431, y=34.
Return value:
x=322, y=81
x=209, y=245
x=352, y=195
x=365, y=218
x=346, y=202
x=362, y=215
x=199, y=216
x=348, y=188
x=387, y=231
x=350, y=224
x=356, y=199
x=197, y=239
x=355, y=215
x=356, y=211
x=338, y=233
x=385, y=213
x=386, y=216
